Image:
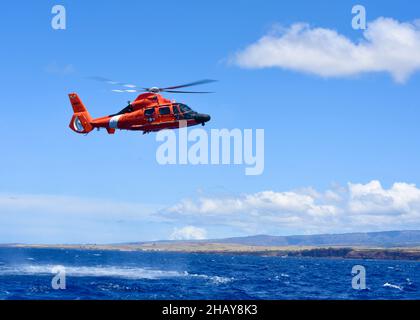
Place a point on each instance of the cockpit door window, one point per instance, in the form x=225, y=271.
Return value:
x=164, y=111
x=149, y=112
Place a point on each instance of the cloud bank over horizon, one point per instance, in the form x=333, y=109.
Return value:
x=356, y=207
x=387, y=46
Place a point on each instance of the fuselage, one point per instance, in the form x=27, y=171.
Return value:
x=151, y=112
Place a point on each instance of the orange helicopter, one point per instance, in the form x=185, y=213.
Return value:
x=150, y=112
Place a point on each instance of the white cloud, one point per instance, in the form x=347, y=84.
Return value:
x=188, y=233
x=402, y=199
x=267, y=201
x=387, y=46
x=358, y=207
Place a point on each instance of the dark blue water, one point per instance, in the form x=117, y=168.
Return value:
x=27, y=274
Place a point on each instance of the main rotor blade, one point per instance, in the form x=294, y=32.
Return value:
x=109, y=81
x=195, y=83
x=177, y=91
x=131, y=88
x=127, y=90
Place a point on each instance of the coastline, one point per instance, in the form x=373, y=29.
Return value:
x=333, y=252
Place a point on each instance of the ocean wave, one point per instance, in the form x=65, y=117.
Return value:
x=213, y=279
x=393, y=286
x=106, y=271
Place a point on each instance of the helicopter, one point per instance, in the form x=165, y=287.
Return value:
x=149, y=112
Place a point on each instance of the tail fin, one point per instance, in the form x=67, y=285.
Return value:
x=81, y=122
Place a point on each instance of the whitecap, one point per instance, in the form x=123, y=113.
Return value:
x=213, y=279
x=220, y=280
x=92, y=271
x=131, y=273
x=389, y=285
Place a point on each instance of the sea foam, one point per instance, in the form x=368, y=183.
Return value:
x=106, y=271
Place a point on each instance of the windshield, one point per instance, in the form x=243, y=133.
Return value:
x=184, y=108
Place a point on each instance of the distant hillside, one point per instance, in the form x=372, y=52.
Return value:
x=371, y=239
x=392, y=245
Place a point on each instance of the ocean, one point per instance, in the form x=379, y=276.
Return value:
x=28, y=274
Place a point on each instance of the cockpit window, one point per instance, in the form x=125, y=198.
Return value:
x=175, y=109
x=149, y=112
x=184, y=108
x=164, y=111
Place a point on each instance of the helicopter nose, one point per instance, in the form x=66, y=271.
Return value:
x=202, y=118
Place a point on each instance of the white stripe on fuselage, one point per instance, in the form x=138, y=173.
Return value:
x=113, y=122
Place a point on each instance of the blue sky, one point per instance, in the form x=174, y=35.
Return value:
x=334, y=145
